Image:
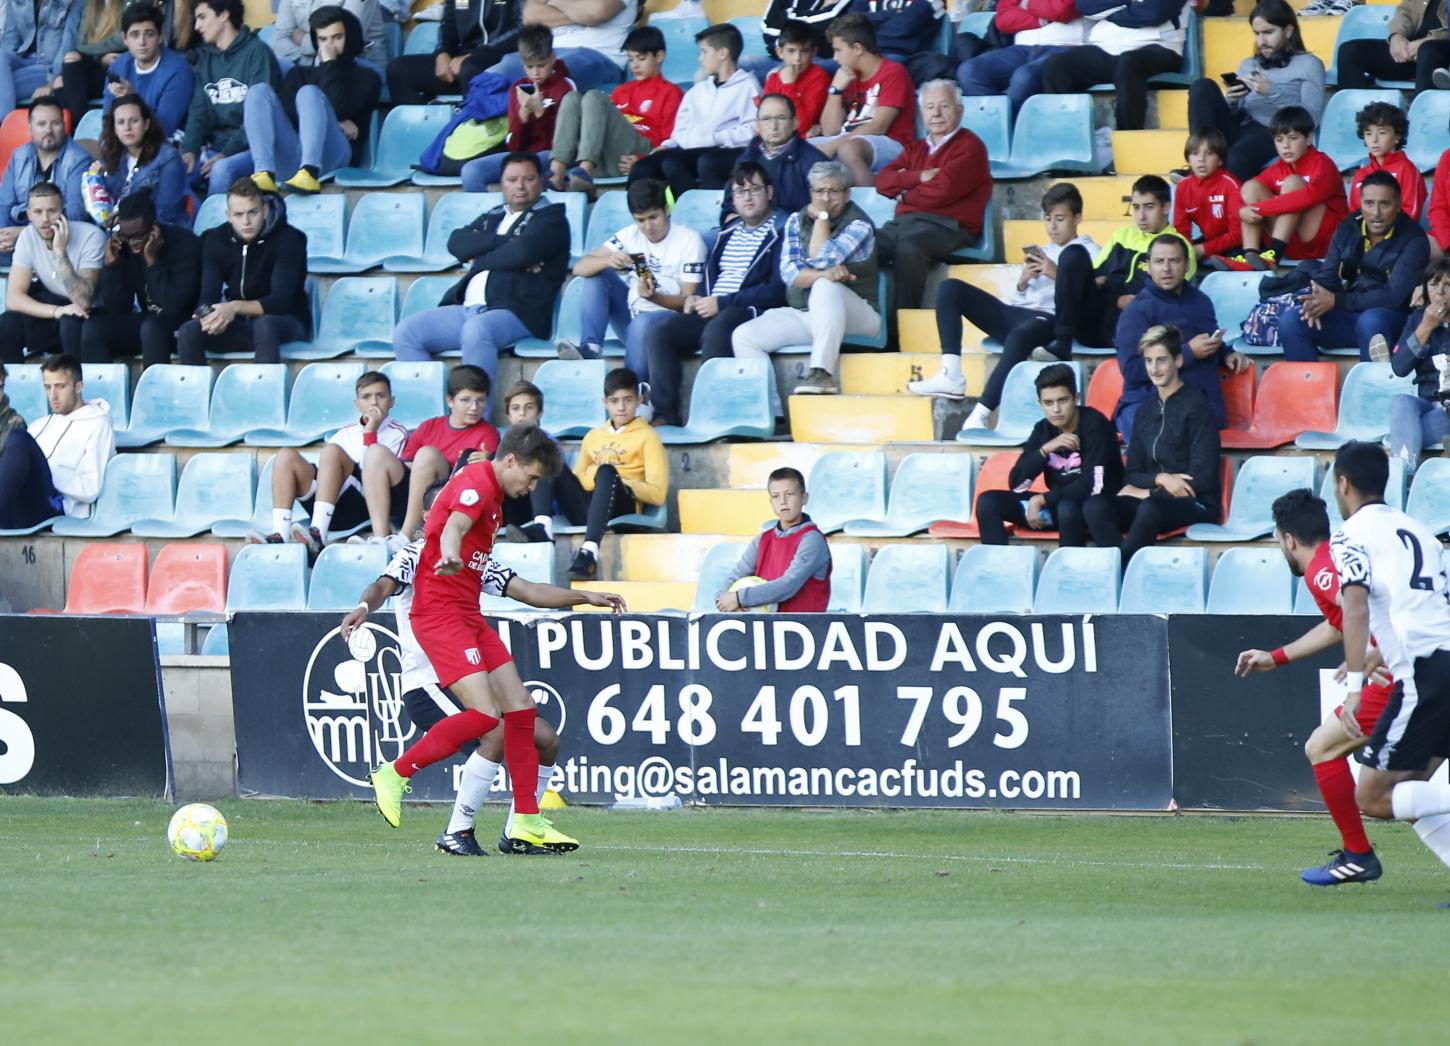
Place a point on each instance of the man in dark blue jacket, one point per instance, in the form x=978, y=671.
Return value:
x=1169, y=301
x=742, y=280
x=518, y=256
x=786, y=157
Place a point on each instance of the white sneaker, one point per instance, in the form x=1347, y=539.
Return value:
x=940, y=384
x=978, y=418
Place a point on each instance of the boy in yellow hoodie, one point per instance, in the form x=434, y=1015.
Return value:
x=621, y=465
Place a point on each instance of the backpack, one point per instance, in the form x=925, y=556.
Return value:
x=485, y=100
x=1262, y=325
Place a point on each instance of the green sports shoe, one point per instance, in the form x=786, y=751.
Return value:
x=388, y=789
x=538, y=830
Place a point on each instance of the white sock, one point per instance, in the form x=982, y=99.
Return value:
x=322, y=516
x=1416, y=799
x=547, y=522
x=546, y=774
x=473, y=789
x=951, y=365
x=1434, y=832
x=281, y=521
x=978, y=418
x=592, y=547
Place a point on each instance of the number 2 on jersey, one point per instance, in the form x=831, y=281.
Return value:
x=1418, y=578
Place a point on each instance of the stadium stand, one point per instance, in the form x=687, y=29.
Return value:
x=908, y=579
x=212, y=487
x=1165, y=580
x=1251, y=581
x=1079, y=581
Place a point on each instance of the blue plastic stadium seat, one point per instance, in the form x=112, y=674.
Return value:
x=1251, y=581
x=211, y=213
x=357, y=309
x=213, y=486
x=651, y=518
x=984, y=249
x=169, y=396
x=341, y=573
x=846, y=485
x=407, y=131
x=382, y=225
x=423, y=293
x=135, y=486
x=451, y=213
x=268, y=577
x=26, y=390
x=418, y=390
x=89, y=127
x=1234, y=295
x=1364, y=407
x=1304, y=599
x=110, y=382
x=989, y=117
x=246, y=396
x=392, y=39
x=682, y=54
x=848, y=579
x=217, y=642
x=751, y=33
x=532, y=562
x=1363, y=22
x=1165, y=580
x=1429, y=128
x=1053, y=132
x=609, y=214
x=1079, y=581
x=1261, y=479
x=575, y=210
x=1338, y=135
x=699, y=209
x=1394, y=491
x=322, y=403
x=572, y=391
x=1019, y=410
x=881, y=209
x=422, y=38
x=908, y=579
x=718, y=563
x=323, y=218
x=566, y=326
x=995, y=579
x=260, y=518
x=730, y=398
x=1429, y=499
x=927, y=487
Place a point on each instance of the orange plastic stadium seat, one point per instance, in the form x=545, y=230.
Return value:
x=14, y=132
x=1292, y=398
x=992, y=476
x=1238, y=396
x=1105, y=388
x=108, y=578
x=189, y=576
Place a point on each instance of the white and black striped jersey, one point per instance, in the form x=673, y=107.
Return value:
x=417, y=672
x=1397, y=560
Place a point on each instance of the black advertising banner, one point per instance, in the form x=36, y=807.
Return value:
x=81, y=707
x=1238, y=744
x=1059, y=712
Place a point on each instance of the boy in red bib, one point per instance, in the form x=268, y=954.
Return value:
x=791, y=555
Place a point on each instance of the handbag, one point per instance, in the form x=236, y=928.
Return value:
x=1262, y=325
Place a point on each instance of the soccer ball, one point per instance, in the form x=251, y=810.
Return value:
x=197, y=832
x=751, y=582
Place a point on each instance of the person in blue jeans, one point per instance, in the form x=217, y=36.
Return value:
x=1040, y=29
x=518, y=254
x=33, y=46
x=1423, y=350
x=589, y=39
x=636, y=278
x=1362, y=288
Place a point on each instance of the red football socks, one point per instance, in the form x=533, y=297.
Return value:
x=521, y=758
x=448, y=737
x=1336, y=785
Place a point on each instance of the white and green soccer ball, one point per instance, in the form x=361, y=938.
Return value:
x=197, y=832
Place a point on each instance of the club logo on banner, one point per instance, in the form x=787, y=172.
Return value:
x=352, y=701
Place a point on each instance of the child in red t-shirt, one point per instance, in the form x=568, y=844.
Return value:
x=1209, y=197
x=870, y=113
x=394, y=484
x=799, y=78
x=533, y=109
x=601, y=135
x=1295, y=204
x=1440, y=208
x=1384, y=129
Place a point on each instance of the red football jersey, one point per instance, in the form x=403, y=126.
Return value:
x=451, y=442
x=474, y=491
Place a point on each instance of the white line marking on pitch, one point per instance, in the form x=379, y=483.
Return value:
x=971, y=858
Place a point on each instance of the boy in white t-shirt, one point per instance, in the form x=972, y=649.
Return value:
x=332, y=489
x=636, y=278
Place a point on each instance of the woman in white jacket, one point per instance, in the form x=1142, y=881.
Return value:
x=76, y=437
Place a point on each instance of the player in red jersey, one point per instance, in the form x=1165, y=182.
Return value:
x=1301, y=526
x=467, y=654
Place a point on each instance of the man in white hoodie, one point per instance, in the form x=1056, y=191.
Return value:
x=716, y=119
x=76, y=438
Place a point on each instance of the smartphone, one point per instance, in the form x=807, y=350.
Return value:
x=203, y=311
x=1218, y=333
x=1031, y=250
x=1231, y=79
x=527, y=88
x=641, y=264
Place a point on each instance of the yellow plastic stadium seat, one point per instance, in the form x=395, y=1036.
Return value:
x=752, y=463
x=1019, y=233
x=257, y=13
x=664, y=557
x=717, y=511
x=1319, y=36
x=1105, y=198
x=916, y=330
x=1173, y=110
x=861, y=419
x=1228, y=41
x=645, y=596
x=1147, y=152
x=883, y=373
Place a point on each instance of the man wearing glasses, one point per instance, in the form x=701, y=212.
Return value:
x=785, y=155
x=742, y=281
x=828, y=266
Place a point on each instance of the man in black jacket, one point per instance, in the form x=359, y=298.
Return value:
x=734, y=292
x=518, y=255
x=1172, y=478
x=1362, y=288
x=785, y=155
x=148, y=289
x=471, y=37
x=319, y=121
x=1074, y=448
x=253, y=282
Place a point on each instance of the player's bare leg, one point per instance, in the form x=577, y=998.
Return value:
x=479, y=772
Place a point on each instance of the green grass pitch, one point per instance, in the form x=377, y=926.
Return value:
x=321, y=925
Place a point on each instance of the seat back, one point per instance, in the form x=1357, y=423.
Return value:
x=384, y=223
x=1338, y=136
x=751, y=34
x=342, y=572
x=419, y=390
x=1294, y=398
x=929, y=487
x=1363, y=22
x=1251, y=581
x=250, y=396
x=452, y=212
x=715, y=568
x=908, y=579
x=1234, y=295
x=323, y=218
x=989, y=118
x=1429, y=499
x=1238, y=396
x=269, y=577
x=609, y=214
x=576, y=211
x=322, y=397
x=1163, y=579
x=995, y=579
x=136, y=486
x=359, y=308
x=845, y=485
x=1429, y=128
x=699, y=209
x=89, y=127
x=729, y=392
x=682, y=56
x=110, y=382
x=1261, y=480
x=848, y=579
x=1364, y=402
x=1079, y=581
x=1105, y=388
x=532, y=562
x=25, y=387
x=407, y=131
x=424, y=293
x=880, y=209
x=1051, y=128
x=215, y=486
x=211, y=213
x=1394, y=491
x=422, y=38
x=571, y=391
x=14, y=132
x=1019, y=410
x=171, y=396
x=189, y=576
x=108, y=578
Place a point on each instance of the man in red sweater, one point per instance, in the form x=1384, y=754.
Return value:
x=941, y=185
x=1209, y=198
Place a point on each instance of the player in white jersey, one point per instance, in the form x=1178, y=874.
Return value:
x=1392, y=583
